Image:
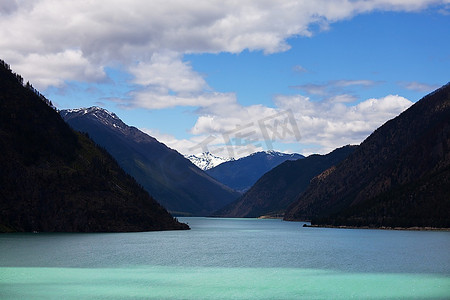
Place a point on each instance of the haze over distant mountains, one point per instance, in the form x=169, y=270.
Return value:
x=55, y=179
x=399, y=176
x=178, y=184
x=242, y=173
x=278, y=188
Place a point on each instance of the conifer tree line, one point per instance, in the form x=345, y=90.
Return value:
x=28, y=85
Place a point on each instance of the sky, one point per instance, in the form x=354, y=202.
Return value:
x=234, y=77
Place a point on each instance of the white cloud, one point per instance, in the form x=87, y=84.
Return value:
x=227, y=117
x=299, y=69
x=52, y=41
x=313, y=89
x=157, y=98
x=202, y=143
x=322, y=125
x=166, y=71
x=166, y=81
x=58, y=67
x=346, y=83
x=333, y=124
x=419, y=86
x=333, y=87
x=181, y=145
x=343, y=98
x=103, y=33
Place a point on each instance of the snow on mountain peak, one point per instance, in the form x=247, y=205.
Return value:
x=99, y=113
x=207, y=160
x=96, y=111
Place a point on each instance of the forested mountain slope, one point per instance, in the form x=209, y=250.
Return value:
x=56, y=180
x=399, y=176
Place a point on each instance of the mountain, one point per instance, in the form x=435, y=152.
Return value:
x=398, y=177
x=278, y=188
x=178, y=184
x=207, y=160
x=242, y=173
x=53, y=179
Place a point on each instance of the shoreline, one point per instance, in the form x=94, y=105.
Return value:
x=270, y=217
x=414, y=228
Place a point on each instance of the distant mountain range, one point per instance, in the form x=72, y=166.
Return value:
x=54, y=179
x=242, y=173
x=398, y=177
x=178, y=184
x=207, y=160
x=278, y=188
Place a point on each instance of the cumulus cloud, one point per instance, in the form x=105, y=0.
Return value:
x=202, y=143
x=156, y=98
x=102, y=33
x=333, y=124
x=51, y=42
x=295, y=119
x=168, y=72
x=59, y=67
x=165, y=81
x=181, y=145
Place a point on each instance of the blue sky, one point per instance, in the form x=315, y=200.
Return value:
x=234, y=77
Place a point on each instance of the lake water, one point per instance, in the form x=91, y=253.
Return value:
x=228, y=259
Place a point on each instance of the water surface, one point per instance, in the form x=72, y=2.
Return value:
x=228, y=259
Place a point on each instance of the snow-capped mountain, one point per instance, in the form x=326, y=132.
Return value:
x=242, y=173
x=102, y=115
x=207, y=160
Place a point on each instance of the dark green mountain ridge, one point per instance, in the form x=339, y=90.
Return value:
x=278, y=188
x=167, y=175
x=398, y=177
x=241, y=174
x=53, y=179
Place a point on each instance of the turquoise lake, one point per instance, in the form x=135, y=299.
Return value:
x=228, y=259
